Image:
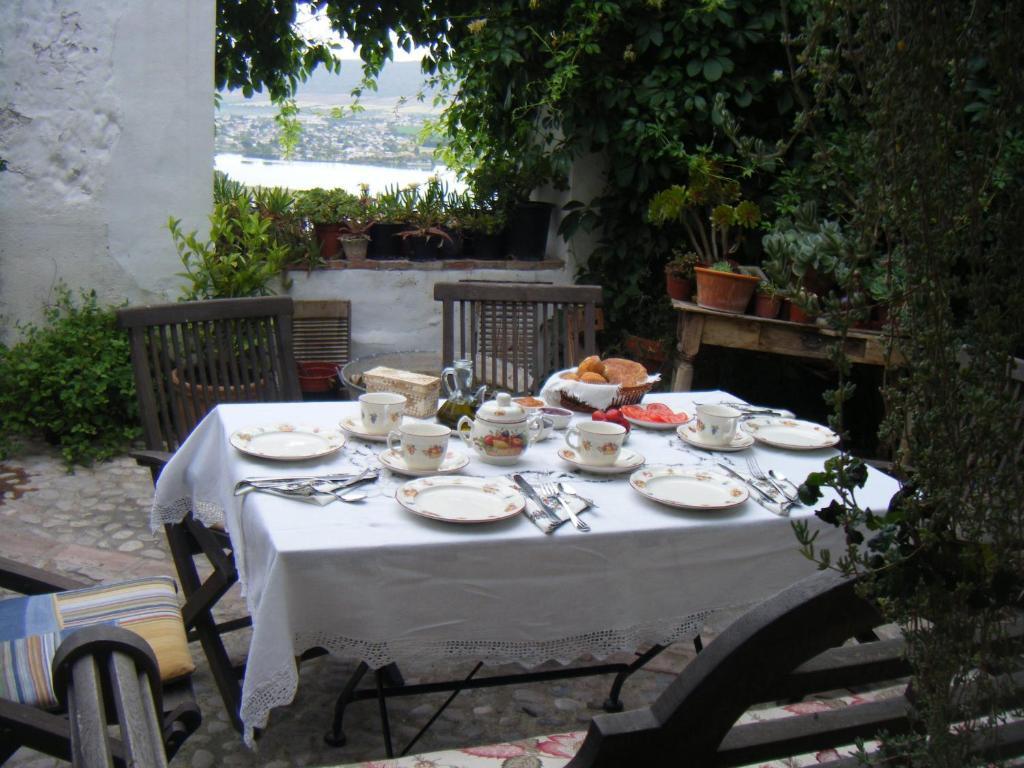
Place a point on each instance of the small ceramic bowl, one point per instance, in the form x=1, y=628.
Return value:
x=560, y=416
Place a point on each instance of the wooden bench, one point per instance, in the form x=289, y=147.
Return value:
x=721, y=710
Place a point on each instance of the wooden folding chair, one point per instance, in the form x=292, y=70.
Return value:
x=186, y=358
x=76, y=630
x=517, y=334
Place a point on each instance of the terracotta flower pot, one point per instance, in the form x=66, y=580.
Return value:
x=678, y=288
x=327, y=236
x=724, y=291
x=797, y=315
x=767, y=306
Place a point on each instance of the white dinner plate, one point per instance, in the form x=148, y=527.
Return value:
x=354, y=426
x=689, y=434
x=626, y=461
x=461, y=499
x=689, y=487
x=790, y=433
x=287, y=442
x=393, y=460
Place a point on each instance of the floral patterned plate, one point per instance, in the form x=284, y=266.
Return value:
x=689, y=434
x=461, y=499
x=689, y=487
x=790, y=433
x=394, y=461
x=627, y=461
x=287, y=442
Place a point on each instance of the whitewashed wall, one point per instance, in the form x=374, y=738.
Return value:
x=106, y=123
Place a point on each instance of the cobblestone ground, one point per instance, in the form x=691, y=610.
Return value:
x=95, y=524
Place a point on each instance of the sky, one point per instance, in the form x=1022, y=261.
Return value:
x=318, y=27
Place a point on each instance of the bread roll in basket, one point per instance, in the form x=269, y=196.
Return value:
x=599, y=384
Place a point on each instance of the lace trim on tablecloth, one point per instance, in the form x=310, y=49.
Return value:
x=206, y=512
x=279, y=689
x=599, y=644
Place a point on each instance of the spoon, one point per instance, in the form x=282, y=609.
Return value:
x=783, y=479
x=566, y=488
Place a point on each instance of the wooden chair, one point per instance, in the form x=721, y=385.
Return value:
x=322, y=331
x=102, y=674
x=517, y=334
x=791, y=646
x=187, y=357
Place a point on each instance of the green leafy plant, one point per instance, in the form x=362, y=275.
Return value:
x=710, y=210
x=241, y=258
x=70, y=380
x=324, y=206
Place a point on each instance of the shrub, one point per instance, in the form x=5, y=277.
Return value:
x=70, y=381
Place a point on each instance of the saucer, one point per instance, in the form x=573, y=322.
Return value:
x=354, y=425
x=626, y=462
x=739, y=441
x=394, y=461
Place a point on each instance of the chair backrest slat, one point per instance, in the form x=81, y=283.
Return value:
x=517, y=334
x=187, y=357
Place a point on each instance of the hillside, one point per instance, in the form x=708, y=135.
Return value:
x=399, y=79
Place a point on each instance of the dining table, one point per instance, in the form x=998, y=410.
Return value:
x=373, y=582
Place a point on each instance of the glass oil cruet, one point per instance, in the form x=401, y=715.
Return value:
x=460, y=400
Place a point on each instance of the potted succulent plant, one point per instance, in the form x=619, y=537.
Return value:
x=424, y=235
x=357, y=221
x=679, y=274
x=325, y=211
x=485, y=233
x=392, y=209
x=767, y=301
x=713, y=218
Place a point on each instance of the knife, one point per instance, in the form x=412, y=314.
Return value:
x=526, y=488
x=765, y=497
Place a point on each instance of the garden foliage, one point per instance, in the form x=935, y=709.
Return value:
x=70, y=380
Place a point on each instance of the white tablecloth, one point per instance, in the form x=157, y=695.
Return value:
x=376, y=583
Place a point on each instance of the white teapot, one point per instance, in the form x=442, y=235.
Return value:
x=501, y=431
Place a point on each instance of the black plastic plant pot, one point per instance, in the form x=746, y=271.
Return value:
x=480, y=245
x=384, y=241
x=417, y=248
x=528, y=230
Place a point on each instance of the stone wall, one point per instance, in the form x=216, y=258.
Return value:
x=106, y=124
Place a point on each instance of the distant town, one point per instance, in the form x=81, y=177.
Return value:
x=386, y=133
x=377, y=136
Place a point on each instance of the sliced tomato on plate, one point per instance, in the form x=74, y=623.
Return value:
x=656, y=413
x=637, y=412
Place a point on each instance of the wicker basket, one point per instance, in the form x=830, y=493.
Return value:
x=626, y=396
x=421, y=391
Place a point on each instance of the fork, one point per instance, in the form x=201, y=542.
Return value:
x=551, y=493
x=759, y=474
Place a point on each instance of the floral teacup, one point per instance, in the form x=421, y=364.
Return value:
x=421, y=446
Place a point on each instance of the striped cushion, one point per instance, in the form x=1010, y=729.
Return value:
x=32, y=627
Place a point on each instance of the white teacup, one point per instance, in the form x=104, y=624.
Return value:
x=716, y=424
x=381, y=411
x=422, y=446
x=598, y=442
